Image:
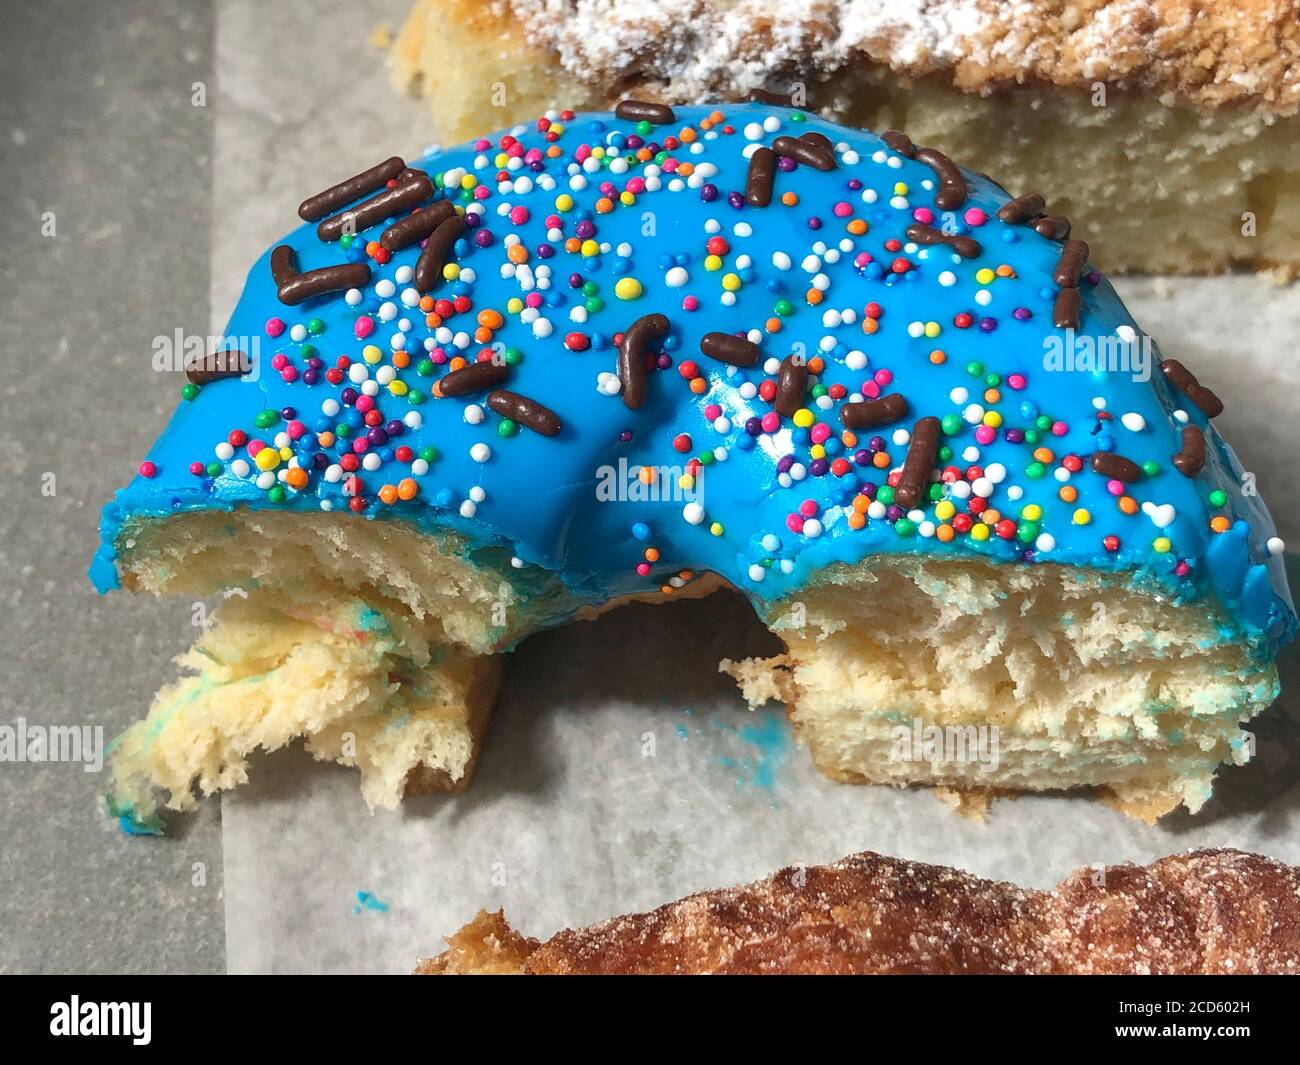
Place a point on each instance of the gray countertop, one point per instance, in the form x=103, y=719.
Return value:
x=97, y=127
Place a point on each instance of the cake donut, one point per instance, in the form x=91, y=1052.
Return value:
x=1210, y=911
x=651, y=353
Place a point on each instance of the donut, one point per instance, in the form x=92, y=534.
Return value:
x=648, y=354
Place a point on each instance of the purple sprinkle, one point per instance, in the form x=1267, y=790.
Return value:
x=483, y=238
x=1022, y=314
x=784, y=463
x=545, y=251
x=348, y=396
x=1015, y=436
x=394, y=428
x=876, y=443
x=575, y=281
x=585, y=229
x=785, y=163
x=708, y=193
x=664, y=361
x=633, y=141
x=987, y=325
x=736, y=200
x=320, y=460
x=868, y=489
x=377, y=437
x=819, y=467
x=625, y=436
x=754, y=426
x=310, y=377
x=854, y=184
x=288, y=413
x=895, y=512
x=862, y=456
x=814, y=222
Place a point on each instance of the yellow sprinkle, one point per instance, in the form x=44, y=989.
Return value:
x=514, y=305
x=1082, y=517
x=817, y=451
x=979, y=532
x=397, y=388
x=943, y=510
x=564, y=202
x=468, y=181
x=803, y=418
x=267, y=459
x=627, y=288
x=716, y=528
x=451, y=271
x=713, y=262
x=1032, y=512
x=900, y=188
x=932, y=329
x=992, y=418
x=1162, y=544
x=686, y=482
x=731, y=282
x=371, y=354
x=984, y=276
x=590, y=248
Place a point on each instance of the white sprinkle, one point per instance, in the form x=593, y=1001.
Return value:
x=1133, y=422
x=480, y=452
x=693, y=513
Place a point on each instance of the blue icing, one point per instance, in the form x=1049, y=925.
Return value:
x=537, y=495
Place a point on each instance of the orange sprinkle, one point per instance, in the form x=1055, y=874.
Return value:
x=992, y=395
x=491, y=318
x=667, y=589
x=407, y=488
x=686, y=169
x=870, y=325
x=880, y=460
x=517, y=254
x=388, y=493
x=861, y=503
x=604, y=205
x=433, y=320
x=789, y=199
x=295, y=477
x=849, y=438
x=944, y=533
x=646, y=475
x=426, y=304
x=372, y=247
x=483, y=335
x=717, y=116
x=772, y=325
x=553, y=151
x=401, y=360
x=856, y=519
x=572, y=244
x=458, y=363
x=699, y=385
x=1005, y=270
x=857, y=226
x=1128, y=504
x=652, y=554
x=1043, y=454
x=1068, y=493
x=325, y=439
x=1220, y=523
x=816, y=364
x=938, y=357
x=687, y=135
x=814, y=296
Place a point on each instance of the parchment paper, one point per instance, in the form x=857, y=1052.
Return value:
x=620, y=770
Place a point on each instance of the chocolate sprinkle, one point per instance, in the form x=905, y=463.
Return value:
x=869, y=413
x=766, y=96
x=1053, y=227
x=327, y=279
x=1190, y=459
x=284, y=265
x=1022, y=209
x=645, y=111
x=1065, y=312
x=1182, y=378
x=415, y=226
x=952, y=183
x=317, y=207
x=1074, y=257
x=428, y=267
x=966, y=247
x=389, y=202
x=217, y=365
x=790, y=385
x=914, y=479
x=525, y=411
x=726, y=347
x=1116, y=467
x=631, y=356
x=475, y=377
x=760, y=178
x=899, y=141
x=810, y=153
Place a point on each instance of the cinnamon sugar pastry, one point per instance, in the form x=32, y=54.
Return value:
x=1204, y=912
x=1166, y=126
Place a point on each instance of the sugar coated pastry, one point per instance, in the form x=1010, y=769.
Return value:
x=1203, y=912
x=648, y=354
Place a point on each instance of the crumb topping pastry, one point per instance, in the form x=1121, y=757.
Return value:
x=630, y=349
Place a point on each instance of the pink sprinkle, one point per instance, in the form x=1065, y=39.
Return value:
x=519, y=215
x=482, y=192
x=279, y=361
x=363, y=327
x=360, y=444
x=923, y=215
x=1115, y=488
x=643, y=568
x=820, y=433
x=482, y=145
x=289, y=374
x=794, y=523
x=636, y=186
x=808, y=508
x=1182, y=569
x=274, y=327
x=870, y=389
x=533, y=299
x=254, y=446
x=295, y=429
x=365, y=403
x=975, y=217
x=1016, y=381
x=771, y=422
x=1059, y=428
x=986, y=434
x=690, y=303
x=148, y=469
x=712, y=411
x=842, y=209
x=883, y=377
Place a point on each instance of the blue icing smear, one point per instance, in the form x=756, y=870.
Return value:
x=368, y=900
x=578, y=228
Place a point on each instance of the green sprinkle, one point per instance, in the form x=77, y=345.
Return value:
x=1035, y=471
x=643, y=127
x=190, y=391
x=594, y=304
x=905, y=527
x=974, y=368
x=993, y=380
x=945, y=453
x=424, y=367
x=429, y=454
x=414, y=397
x=507, y=427
x=590, y=288
x=1218, y=497
x=1032, y=436
x=705, y=458
x=213, y=469
x=513, y=356
x=266, y=418
x=935, y=492
x=307, y=351
x=1043, y=422
x=346, y=240
x=784, y=308
x=885, y=494
x=818, y=390
x=315, y=327
x=1027, y=533
x=1151, y=467
x=343, y=430
x=950, y=424
x=277, y=494
x=798, y=116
